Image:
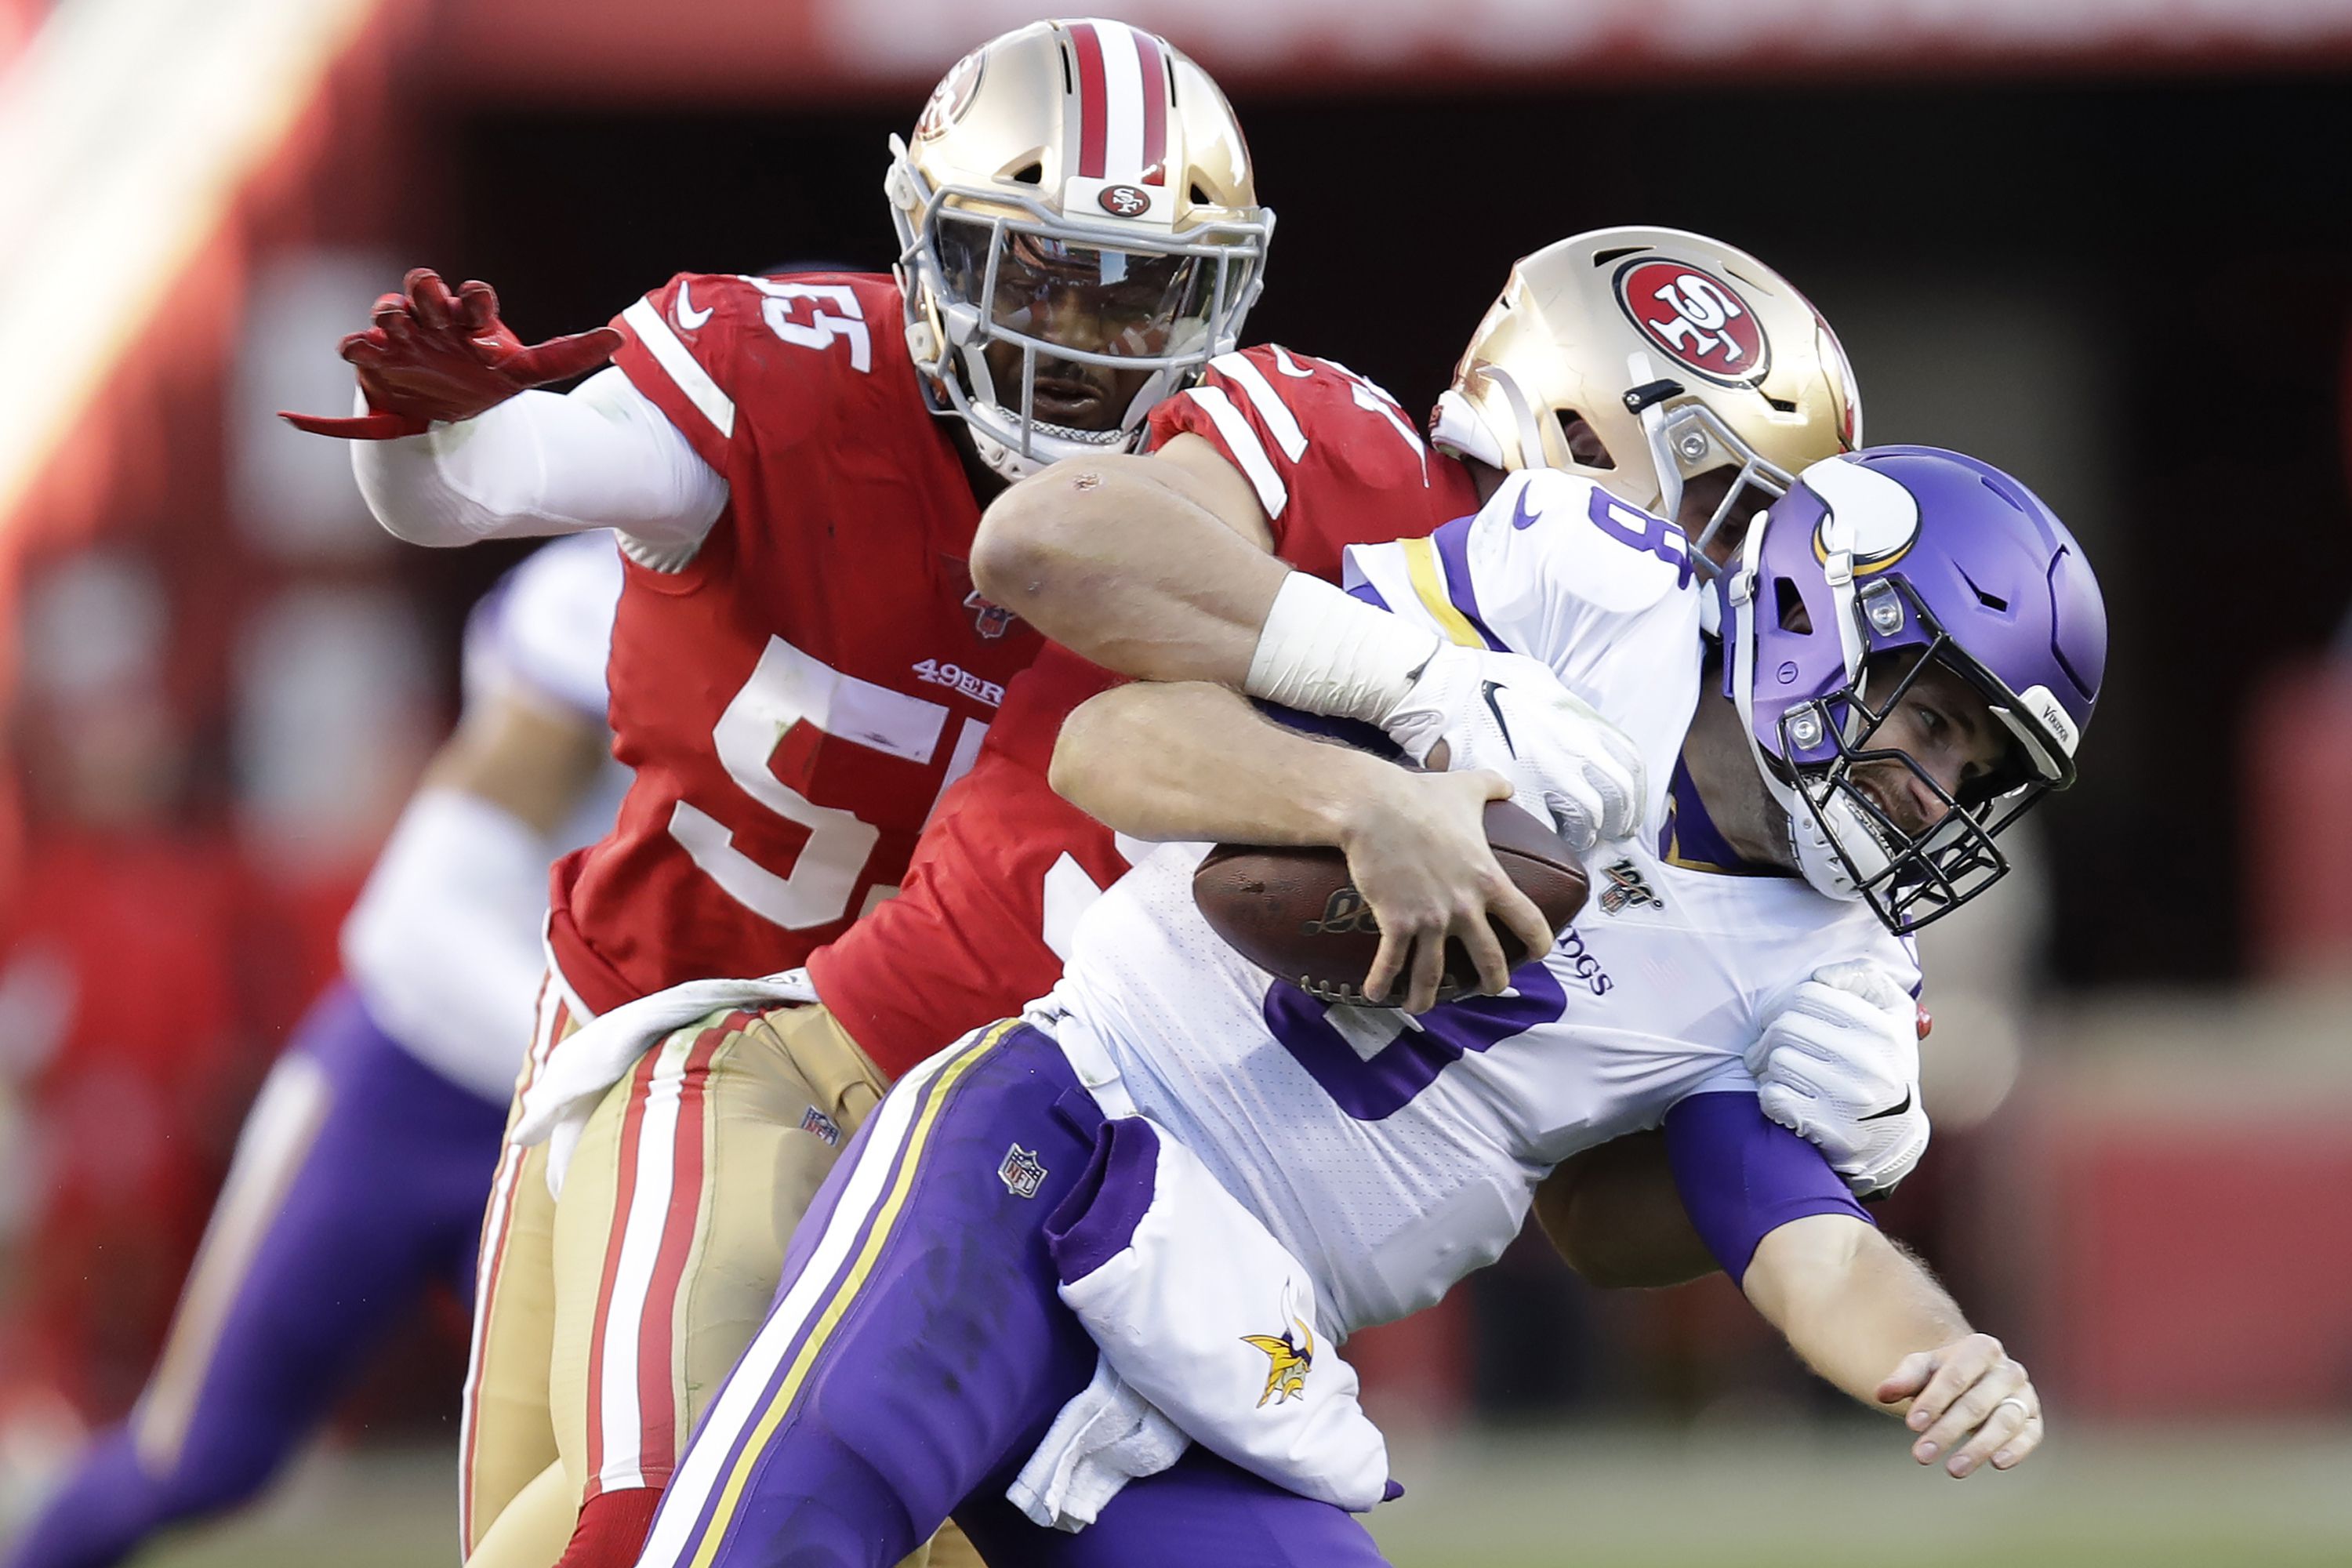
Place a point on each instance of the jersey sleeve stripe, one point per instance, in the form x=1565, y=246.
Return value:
x=1428, y=580
x=681, y=366
x=1247, y=448
x=1271, y=409
x=1452, y=543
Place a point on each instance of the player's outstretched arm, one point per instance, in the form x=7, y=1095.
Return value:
x=454, y=445
x=1157, y=567
x=1194, y=761
x=1873, y=1321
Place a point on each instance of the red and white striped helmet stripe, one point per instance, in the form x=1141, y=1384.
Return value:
x=1122, y=92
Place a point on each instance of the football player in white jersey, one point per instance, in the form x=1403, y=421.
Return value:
x=1682, y=374
x=1911, y=646
x=361, y=1174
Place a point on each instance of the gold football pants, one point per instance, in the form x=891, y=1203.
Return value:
x=607, y=1320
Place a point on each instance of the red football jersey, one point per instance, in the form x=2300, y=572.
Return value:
x=797, y=697
x=1008, y=866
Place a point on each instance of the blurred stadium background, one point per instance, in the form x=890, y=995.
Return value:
x=2105, y=243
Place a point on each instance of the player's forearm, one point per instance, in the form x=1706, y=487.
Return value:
x=1195, y=761
x=1111, y=558
x=1849, y=1301
x=542, y=464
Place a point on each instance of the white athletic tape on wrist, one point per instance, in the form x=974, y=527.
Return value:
x=1324, y=651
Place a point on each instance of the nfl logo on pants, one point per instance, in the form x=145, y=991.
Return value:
x=1021, y=1173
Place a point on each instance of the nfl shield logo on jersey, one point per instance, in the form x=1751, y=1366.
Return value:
x=823, y=1126
x=1021, y=1173
x=989, y=620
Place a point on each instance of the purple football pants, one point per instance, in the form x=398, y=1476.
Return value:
x=917, y=1353
x=360, y=1180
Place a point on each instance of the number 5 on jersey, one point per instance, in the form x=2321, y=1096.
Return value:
x=790, y=688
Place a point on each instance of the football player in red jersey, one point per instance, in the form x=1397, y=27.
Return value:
x=801, y=668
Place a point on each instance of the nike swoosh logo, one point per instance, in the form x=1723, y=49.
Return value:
x=1521, y=518
x=1890, y=1111
x=1495, y=707
x=688, y=318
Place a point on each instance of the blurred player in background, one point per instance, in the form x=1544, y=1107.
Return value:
x=1911, y=646
x=801, y=667
x=360, y=1176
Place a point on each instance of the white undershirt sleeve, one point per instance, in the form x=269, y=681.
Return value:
x=600, y=456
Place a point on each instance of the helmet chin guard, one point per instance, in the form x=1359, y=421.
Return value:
x=1953, y=564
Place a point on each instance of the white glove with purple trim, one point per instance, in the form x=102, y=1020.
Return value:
x=1567, y=765
x=1838, y=1065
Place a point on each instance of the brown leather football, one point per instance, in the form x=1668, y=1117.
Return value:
x=1294, y=912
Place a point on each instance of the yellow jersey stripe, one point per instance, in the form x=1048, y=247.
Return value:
x=781, y=1402
x=1429, y=582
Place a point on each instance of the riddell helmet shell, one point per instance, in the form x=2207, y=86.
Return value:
x=1098, y=157
x=1682, y=352
x=1897, y=548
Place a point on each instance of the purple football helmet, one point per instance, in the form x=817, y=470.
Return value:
x=1896, y=548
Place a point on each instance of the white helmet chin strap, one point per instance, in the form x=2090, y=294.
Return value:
x=1816, y=846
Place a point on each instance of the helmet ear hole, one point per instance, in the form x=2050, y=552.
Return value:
x=1030, y=174
x=1584, y=443
x=1789, y=604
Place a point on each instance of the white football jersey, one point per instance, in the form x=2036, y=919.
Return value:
x=1394, y=1154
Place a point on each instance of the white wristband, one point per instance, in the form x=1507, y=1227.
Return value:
x=1325, y=651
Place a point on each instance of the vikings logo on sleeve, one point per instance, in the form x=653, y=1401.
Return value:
x=1290, y=1357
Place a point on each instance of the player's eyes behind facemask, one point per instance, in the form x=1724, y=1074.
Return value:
x=1093, y=299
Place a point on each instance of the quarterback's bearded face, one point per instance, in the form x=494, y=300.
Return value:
x=1104, y=304
x=1940, y=731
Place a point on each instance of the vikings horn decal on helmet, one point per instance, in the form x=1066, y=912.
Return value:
x=1683, y=355
x=1895, y=549
x=1078, y=199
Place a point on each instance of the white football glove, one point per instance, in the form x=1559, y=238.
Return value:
x=1839, y=1065
x=1567, y=765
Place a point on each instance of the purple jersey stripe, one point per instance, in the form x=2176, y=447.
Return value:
x=1452, y=543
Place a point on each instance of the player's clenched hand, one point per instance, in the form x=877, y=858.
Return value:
x=1837, y=1063
x=1473, y=708
x=1970, y=1403
x=1417, y=851
x=429, y=354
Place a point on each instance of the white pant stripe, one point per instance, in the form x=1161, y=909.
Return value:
x=616, y=1402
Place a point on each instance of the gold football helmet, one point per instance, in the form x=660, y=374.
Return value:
x=1077, y=196
x=1682, y=355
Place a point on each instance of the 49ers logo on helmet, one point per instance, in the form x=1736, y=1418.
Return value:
x=1696, y=317
x=951, y=98
x=1123, y=201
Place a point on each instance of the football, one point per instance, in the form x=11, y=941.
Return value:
x=1294, y=913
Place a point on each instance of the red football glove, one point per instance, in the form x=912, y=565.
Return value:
x=431, y=356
